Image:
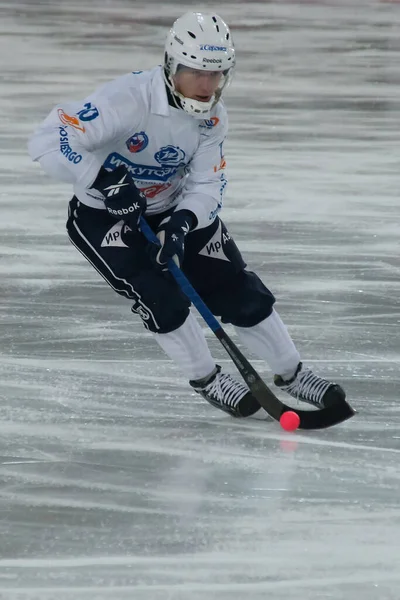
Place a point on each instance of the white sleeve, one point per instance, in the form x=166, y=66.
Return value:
x=64, y=143
x=205, y=186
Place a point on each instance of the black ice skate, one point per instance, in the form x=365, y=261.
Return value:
x=308, y=387
x=227, y=394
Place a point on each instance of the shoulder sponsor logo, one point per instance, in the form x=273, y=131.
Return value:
x=138, y=142
x=113, y=237
x=66, y=149
x=215, y=246
x=72, y=121
x=213, y=48
x=209, y=123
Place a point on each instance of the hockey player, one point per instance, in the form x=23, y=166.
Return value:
x=151, y=143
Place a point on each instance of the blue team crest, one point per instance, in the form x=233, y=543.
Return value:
x=137, y=142
x=170, y=156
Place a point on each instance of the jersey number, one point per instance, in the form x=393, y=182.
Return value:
x=88, y=113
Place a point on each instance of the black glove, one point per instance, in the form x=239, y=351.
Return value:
x=171, y=233
x=122, y=200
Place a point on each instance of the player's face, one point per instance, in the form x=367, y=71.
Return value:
x=196, y=84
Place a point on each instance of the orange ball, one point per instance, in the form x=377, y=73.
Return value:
x=289, y=420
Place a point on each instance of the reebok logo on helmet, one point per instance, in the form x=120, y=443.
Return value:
x=212, y=60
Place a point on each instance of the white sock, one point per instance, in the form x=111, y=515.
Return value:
x=271, y=341
x=188, y=348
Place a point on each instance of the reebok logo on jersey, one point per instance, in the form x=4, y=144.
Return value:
x=120, y=212
x=114, y=189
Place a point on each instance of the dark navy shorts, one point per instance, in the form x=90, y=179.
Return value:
x=212, y=263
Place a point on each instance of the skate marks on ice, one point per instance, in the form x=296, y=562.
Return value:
x=244, y=556
x=314, y=587
x=175, y=499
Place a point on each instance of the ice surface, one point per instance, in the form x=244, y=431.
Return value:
x=116, y=481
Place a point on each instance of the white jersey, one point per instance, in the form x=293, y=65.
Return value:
x=174, y=158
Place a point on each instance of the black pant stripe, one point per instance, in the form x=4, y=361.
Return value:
x=118, y=284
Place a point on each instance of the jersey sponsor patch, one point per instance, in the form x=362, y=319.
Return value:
x=72, y=121
x=209, y=123
x=153, y=173
x=138, y=142
x=215, y=246
x=113, y=237
x=172, y=156
x=153, y=190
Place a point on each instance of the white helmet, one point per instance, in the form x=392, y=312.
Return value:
x=199, y=41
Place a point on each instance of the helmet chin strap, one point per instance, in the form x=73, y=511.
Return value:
x=198, y=110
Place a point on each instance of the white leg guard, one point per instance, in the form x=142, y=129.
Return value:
x=188, y=348
x=271, y=341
